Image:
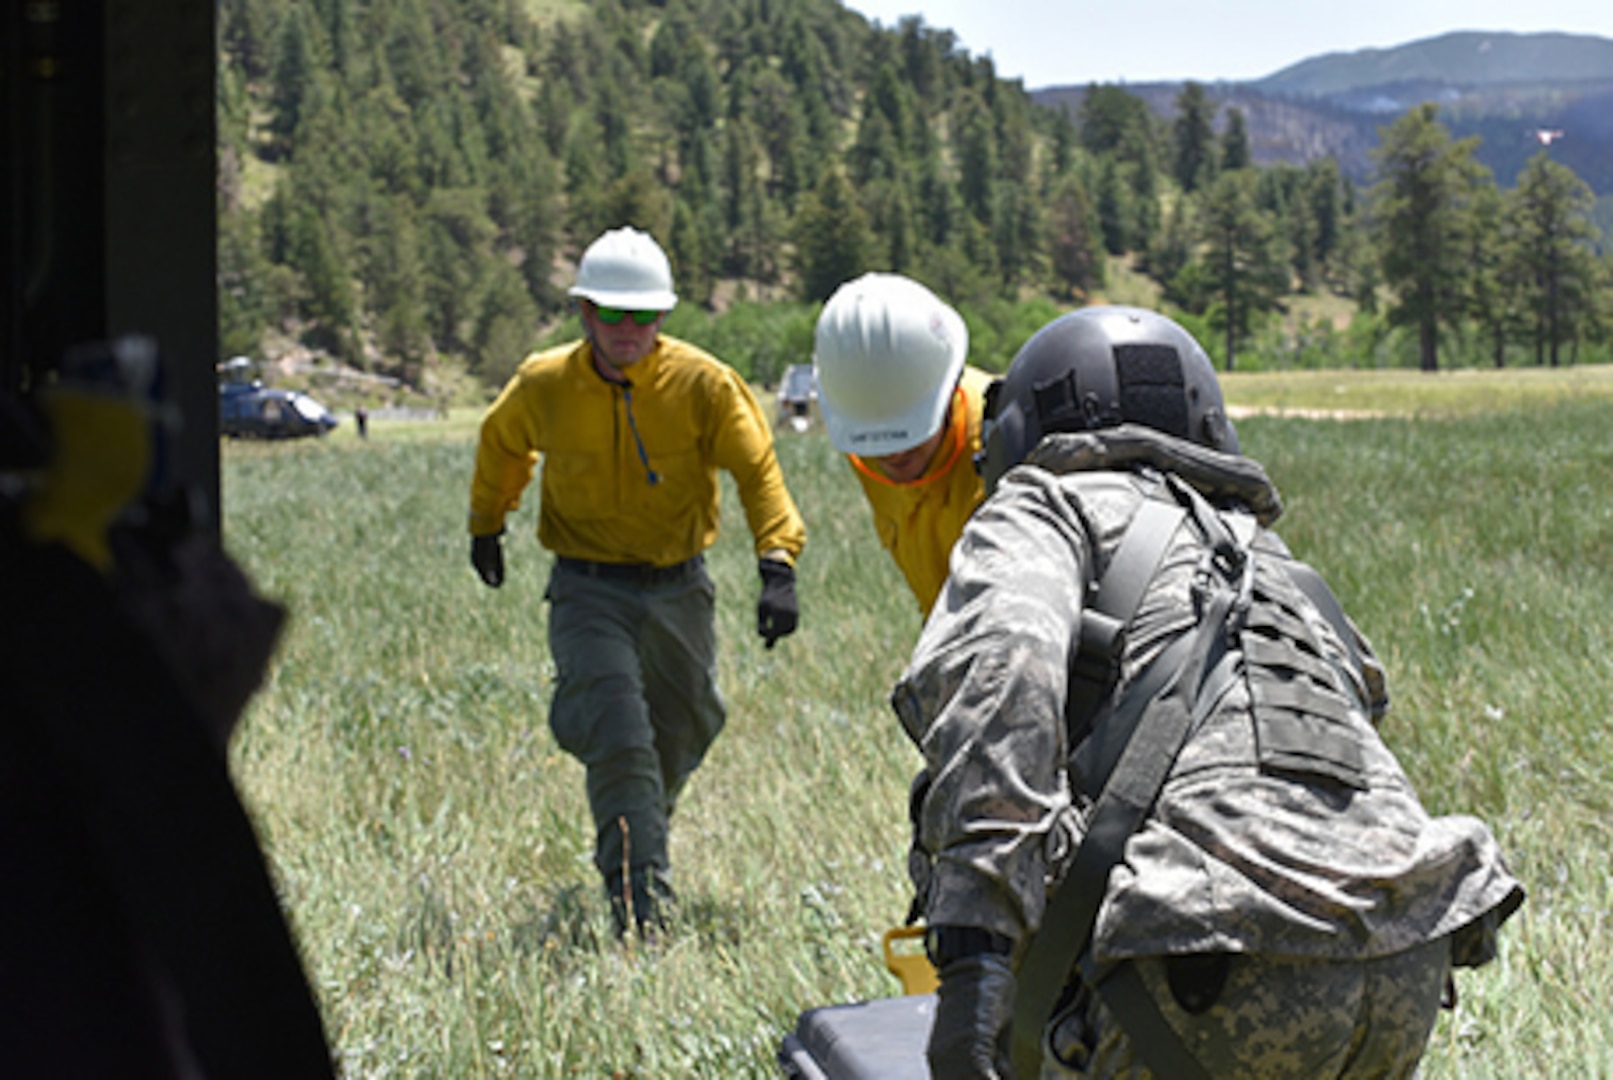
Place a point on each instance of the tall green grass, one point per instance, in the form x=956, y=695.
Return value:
x=432, y=844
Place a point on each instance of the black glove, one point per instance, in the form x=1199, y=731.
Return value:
x=974, y=1017
x=777, y=611
x=487, y=555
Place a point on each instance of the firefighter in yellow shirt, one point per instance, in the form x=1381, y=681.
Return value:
x=901, y=404
x=632, y=427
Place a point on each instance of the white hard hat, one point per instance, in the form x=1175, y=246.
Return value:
x=888, y=353
x=626, y=268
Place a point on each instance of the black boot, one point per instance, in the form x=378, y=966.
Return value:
x=647, y=904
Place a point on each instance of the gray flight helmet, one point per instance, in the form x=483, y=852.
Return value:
x=1101, y=367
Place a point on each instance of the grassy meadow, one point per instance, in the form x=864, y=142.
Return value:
x=432, y=843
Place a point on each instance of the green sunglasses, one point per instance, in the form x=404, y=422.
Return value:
x=610, y=316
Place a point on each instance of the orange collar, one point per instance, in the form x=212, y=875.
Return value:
x=958, y=422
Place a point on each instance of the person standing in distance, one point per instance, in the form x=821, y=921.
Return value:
x=899, y=401
x=632, y=427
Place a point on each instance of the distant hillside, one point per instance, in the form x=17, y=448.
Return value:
x=1462, y=59
x=1280, y=129
x=1505, y=88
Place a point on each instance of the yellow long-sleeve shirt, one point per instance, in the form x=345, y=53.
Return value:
x=630, y=472
x=918, y=522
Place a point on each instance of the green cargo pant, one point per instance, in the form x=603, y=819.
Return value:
x=1277, y=1019
x=636, y=701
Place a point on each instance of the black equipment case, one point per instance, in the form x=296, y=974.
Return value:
x=870, y=1040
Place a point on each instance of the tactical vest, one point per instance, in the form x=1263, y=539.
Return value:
x=1256, y=608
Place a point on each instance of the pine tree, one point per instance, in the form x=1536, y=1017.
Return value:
x=534, y=221
x=613, y=114
x=1324, y=196
x=759, y=241
x=1554, y=250
x=1357, y=266
x=296, y=68
x=977, y=157
x=554, y=110
x=740, y=166
x=890, y=217
x=328, y=304
x=1145, y=199
x=922, y=50
x=506, y=326
x=1235, y=142
x=1171, y=251
x=1192, y=138
x=1015, y=153
x=694, y=249
x=888, y=97
x=1018, y=234
x=233, y=137
x=1282, y=192
x=876, y=154
x=939, y=207
x=388, y=141
x=1244, y=262
x=672, y=39
x=586, y=215
x=832, y=237
x=245, y=30
x=456, y=245
x=397, y=276
x=1109, y=115
x=782, y=131
x=1063, y=141
x=1492, y=292
x=1076, y=248
x=337, y=20
x=1421, y=201
x=1113, y=207
x=413, y=52
x=245, y=307
x=637, y=199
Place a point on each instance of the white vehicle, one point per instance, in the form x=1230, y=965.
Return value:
x=797, y=392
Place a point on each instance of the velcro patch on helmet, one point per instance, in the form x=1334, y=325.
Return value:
x=1152, y=387
x=1058, y=406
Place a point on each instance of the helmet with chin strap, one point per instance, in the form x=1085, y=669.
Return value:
x=1100, y=367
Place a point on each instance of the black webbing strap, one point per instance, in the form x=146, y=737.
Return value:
x=1067, y=922
x=1156, y=1042
x=1186, y=681
x=1113, y=603
x=1121, y=588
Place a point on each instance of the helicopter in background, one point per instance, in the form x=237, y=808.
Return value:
x=249, y=410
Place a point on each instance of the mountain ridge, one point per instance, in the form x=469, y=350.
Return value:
x=1518, y=93
x=1459, y=58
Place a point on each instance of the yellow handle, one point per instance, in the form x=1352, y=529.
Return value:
x=908, y=964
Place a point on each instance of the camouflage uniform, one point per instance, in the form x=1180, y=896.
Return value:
x=1318, y=890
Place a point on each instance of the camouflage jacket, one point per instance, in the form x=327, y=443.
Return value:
x=1235, y=855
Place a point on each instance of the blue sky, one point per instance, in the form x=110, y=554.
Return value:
x=1074, y=42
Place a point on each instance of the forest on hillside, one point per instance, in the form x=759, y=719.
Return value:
x=404, y=186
